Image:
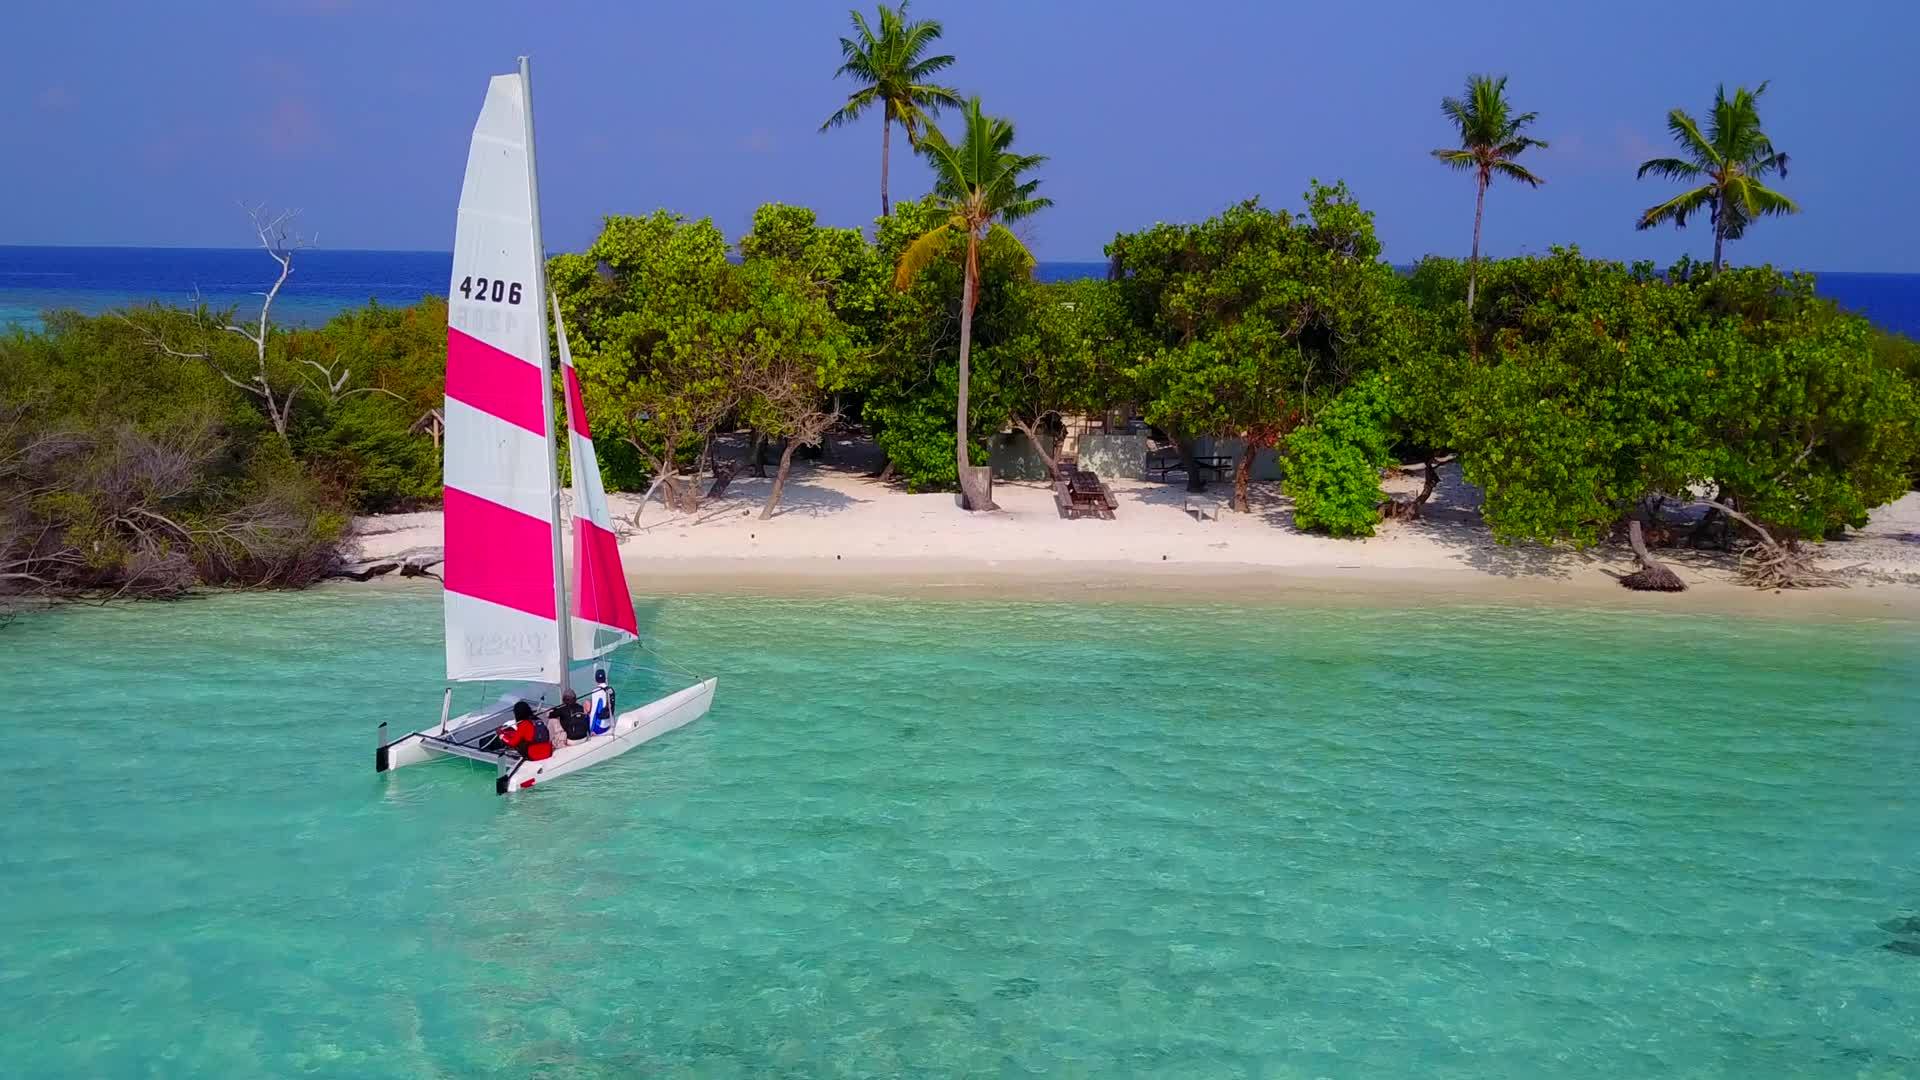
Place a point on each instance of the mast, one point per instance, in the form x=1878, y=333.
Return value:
x=562, y=622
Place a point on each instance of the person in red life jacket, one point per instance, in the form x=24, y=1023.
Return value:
x=517, y=733
x=526, y=735
x=541, y=748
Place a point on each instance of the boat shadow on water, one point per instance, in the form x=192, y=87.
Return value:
x=1906, y=931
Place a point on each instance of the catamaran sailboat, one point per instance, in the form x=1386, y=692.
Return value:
x=514, y=615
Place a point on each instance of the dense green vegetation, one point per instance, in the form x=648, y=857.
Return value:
x=1576, y=393
x=1600, y=386
x=1247, y=324
x=671, y=339
x=131, y=476
x=148, y=450
x=139, y=454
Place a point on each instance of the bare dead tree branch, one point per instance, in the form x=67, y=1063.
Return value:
x=279, y=240
x=785, y=389
x=1774, y=564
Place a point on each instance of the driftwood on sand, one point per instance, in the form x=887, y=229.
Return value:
x=413, y=562
x=1775, y=564
x=1653, y=575
x=1766, y=562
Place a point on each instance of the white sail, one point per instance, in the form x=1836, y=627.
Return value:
x=502, y=604
x=602, y=606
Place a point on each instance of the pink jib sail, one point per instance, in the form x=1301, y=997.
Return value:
x=501, y=619
x=603, y=616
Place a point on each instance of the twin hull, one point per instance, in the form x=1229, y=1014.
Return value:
x=517, y=774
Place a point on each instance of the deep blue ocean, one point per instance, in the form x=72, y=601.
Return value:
x=96, y=279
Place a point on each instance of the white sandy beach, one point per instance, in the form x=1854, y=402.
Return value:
x=840, y=531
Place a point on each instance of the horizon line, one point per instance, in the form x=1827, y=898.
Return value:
x=1101, y=260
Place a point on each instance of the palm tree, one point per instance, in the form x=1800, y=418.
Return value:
x=1490, y=138
x=978, y=182
x=891, y=71
x=1733, y=155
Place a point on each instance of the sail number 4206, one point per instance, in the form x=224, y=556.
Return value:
x=492, y=289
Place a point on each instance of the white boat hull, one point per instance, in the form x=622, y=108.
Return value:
x=517, y=774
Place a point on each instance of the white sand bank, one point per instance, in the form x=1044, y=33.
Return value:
x=841, y=532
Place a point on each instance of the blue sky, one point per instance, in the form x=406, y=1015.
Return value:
x=146, y=123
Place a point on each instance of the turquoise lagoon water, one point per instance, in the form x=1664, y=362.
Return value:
x=976, y=838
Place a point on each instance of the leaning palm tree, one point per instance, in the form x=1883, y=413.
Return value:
x=1733, y=154
x=1490, y=138
x=892, y=72
x=978, y=182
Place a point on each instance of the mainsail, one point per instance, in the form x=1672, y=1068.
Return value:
x=503, y=600
x=602, y=607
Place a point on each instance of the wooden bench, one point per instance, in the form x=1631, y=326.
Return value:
x=1203, y=507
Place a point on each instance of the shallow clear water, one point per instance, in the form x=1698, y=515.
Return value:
x=976, y=838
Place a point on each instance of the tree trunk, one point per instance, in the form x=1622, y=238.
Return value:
x=977, y=499
x=1242, y=475
x=1195, y=482
x=886, y=144
x=1719, y=234
x=1473, y=267
x=1050, y=457
x=756, y=449
x=1760, y=531
x=1431, y=481
x=665, y=478
x=886, y=471
x=1399, y=509
x=1780, y=564
x=670, y=493
x=706, y=466
x=779, y=479
x=1653, y=575
x=658, y=481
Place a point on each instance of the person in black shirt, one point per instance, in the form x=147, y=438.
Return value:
x=571, y=717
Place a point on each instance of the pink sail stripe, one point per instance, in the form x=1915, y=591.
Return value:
x=495, y=381
x=576, y=405
x=498, y=554
x=599, y=588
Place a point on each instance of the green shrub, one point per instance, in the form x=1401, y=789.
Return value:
x=1333, y=465
x=363, y=448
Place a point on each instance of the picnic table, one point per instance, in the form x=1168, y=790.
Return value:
x=1218, y=464
x=1079, y=493
x=1167, y=458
